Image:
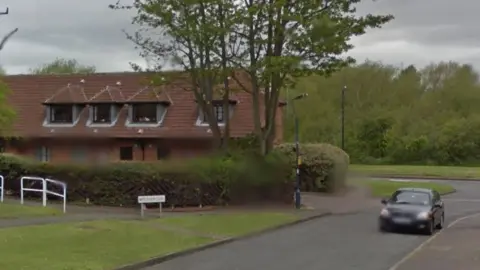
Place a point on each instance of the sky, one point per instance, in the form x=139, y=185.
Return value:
x=423, y=32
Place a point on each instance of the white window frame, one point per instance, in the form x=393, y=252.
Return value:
x=114, y=114
x=45, y=154
x=201, y=116
x=76, y=110
x=161, y=112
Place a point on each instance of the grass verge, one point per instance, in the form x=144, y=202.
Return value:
x=385, y=188
x=416, y=171
x=9, y=211
x=108, y=244
x=228, y=225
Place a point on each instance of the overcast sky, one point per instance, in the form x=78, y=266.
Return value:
x=424, y=31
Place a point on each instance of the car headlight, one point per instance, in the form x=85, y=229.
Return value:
x=423, y=215
x=384, y=213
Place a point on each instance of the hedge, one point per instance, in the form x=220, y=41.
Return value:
x=203, y=181
x=324, y=166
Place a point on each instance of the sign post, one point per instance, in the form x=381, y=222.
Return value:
x=142, y=200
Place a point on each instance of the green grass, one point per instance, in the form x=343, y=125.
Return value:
x=417, y=171
x=385, y=188
x=109, y=244
x=228, y=224
x=8, y=210
x=88, y=246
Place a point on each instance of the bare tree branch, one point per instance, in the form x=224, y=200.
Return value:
x=9, y=35
x=6, y=37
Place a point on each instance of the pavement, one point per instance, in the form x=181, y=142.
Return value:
x=348, y=240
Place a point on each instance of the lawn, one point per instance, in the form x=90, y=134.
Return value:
x=385, y=188
x=9, y=210
x=108, y=244
x=228, y=224
x=417, y=171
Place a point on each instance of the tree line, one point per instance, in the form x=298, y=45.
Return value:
x=393, y=114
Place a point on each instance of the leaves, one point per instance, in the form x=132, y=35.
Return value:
x=394, y=114
x=63, y=66
x=269, y=44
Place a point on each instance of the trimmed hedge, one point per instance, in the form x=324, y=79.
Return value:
x=324, y=166
x=204, y=181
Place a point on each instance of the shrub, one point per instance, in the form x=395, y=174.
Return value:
x=202, y=181
x=324, y=166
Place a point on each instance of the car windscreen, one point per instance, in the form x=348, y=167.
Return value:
x=411, y=197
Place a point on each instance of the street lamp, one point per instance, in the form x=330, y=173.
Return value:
x=297, y=153
x=343, y=117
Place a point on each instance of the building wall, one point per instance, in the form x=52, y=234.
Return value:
x=101, y=150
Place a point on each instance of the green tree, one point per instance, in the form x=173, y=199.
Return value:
x=395, y=115
x=197, y=34
x=63, y=66
x=269, y=43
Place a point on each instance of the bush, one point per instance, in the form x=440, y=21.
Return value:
x=203, y=181
x=324, y=166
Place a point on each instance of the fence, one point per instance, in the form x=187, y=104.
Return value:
x=2, y=188
x=44, y=190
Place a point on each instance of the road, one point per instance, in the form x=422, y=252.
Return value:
x=346, y=242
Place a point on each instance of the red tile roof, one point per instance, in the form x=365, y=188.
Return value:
x=30, y=91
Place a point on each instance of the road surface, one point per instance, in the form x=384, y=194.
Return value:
x=346, y=242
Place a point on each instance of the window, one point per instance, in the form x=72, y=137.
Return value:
x=144, y=113
x=217, y=111
x=61, y=114
x=101, y=113
x=42, y=154
x=79, y=154
x=411, y=197
x=162, y=152
x=126, y=153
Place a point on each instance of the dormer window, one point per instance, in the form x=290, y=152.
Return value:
x=144, y=113
x=219, y=113
x=101, y=113
x=61, y=114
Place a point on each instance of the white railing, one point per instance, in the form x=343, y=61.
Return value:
x=2, y=188
x=44, y=190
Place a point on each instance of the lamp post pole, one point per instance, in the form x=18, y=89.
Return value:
x=343, y=117
x=298, y=198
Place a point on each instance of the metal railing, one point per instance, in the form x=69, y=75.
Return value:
x=44, y=190
x=2, y=188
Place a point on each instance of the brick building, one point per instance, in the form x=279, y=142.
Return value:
x=114, y=116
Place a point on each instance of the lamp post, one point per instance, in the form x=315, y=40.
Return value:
x=298, y=198
x=343, y=116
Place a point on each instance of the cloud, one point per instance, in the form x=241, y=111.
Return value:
x=423, y=31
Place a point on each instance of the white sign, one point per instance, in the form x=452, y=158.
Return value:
x=142, y=200
x=151, y=199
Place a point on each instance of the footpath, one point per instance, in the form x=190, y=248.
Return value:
x=354, y=200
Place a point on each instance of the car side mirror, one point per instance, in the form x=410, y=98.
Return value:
x=384, y=201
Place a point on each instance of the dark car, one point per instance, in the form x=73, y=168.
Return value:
x=414, y=208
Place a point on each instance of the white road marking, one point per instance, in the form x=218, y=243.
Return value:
x=429, y=240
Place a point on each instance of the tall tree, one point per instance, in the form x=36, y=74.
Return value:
x=271, y=43
x=63, y=66
x=5, y=38
x=195, y=37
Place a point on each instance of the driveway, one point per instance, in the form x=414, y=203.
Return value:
x=346, y=242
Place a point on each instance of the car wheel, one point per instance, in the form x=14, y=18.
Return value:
x=441, y=223
x=430, y=228
x=383, y=228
